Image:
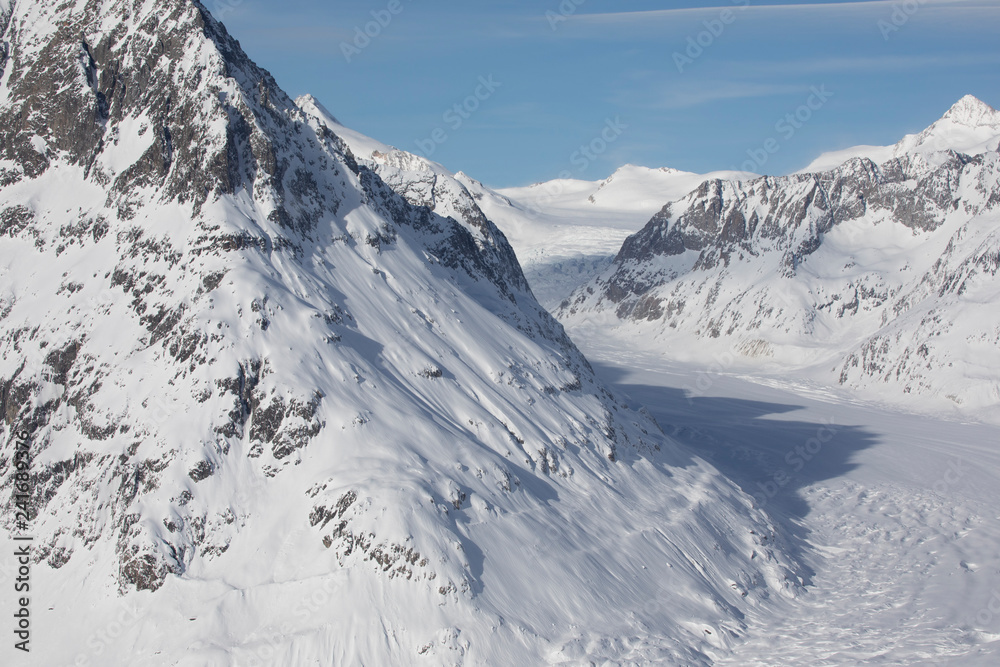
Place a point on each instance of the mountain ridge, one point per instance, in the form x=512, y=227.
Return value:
x=970, y=126
x=257, y=366
x=867, y=269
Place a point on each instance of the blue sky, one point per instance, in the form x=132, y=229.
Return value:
x=558, y=72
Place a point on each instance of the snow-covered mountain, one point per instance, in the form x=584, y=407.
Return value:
x=289, y=404
x=883, y=275
x=971, y=127
x=566, y=231
x=563, y=231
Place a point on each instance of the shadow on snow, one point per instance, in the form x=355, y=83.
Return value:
x=769, y=459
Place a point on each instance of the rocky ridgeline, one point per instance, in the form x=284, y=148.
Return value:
x=224, y=329
x=871, y=263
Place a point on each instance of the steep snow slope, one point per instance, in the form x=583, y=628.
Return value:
x=971, y=127
x=882, y=277
x=419, y=181
x=280, y=413
x=563, y=231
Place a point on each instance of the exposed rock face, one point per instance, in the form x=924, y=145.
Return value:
x=791, y=214
x=872, y=265
x=206, y=130
x=243, y=351
x=430, y=186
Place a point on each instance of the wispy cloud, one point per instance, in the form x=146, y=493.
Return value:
x=683, y=96
x=861, y=64
x=801, y=9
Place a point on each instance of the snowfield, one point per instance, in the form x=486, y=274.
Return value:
x=567, y=231
x=896, y=515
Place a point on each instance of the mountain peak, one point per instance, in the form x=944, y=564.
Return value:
x=970, y=126
x=310, y=104
x=629, y=168
x=972, y=112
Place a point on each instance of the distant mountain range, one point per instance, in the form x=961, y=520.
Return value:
x=879, y=272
